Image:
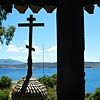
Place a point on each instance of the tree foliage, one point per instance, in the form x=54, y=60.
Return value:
x=48, y=81
x=6, y=35
x=3, y=15
x=93, y=96
x=4, y=95
x=5, y=82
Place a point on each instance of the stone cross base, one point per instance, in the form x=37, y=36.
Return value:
x=29, y=89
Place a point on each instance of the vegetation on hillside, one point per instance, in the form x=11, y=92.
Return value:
x=5, y=82
x=50, y=83
x=93, y=96
x=5, y=88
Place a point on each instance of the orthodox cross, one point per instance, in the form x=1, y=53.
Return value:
x=30, y=25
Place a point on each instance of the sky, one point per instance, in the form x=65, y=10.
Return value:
x=45, y=38
x=92, y=35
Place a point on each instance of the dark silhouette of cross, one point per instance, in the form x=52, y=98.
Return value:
x=30, y=25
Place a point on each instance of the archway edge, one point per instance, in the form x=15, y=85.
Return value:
x=48, y=5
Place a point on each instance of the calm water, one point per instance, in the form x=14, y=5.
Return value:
x=92, y=79
x=18, y=73
x=92, y=75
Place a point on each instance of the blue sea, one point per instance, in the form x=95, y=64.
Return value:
x=92, y=75
x=18, y=73
x=92, y=79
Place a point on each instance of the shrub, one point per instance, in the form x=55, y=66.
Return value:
x=4, y=95
x=48, y=81
x=54, y=78
x=87, y=95
x=52, y=95
x=5, y=82
x=96, y=95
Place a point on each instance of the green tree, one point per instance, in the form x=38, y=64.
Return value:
x=6, y=35
x=3, y=14
x=5, y=82
x=54, y=78
x=48, y=81
x=95, y=95
x=4, y=95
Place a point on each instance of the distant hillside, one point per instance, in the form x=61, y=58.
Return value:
x=51, y=65
x=8, y=63
x=92, y=64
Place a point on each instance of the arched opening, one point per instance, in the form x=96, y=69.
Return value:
x=92, y=55
x=41, y=36
x=70, y=53
x=45, y=36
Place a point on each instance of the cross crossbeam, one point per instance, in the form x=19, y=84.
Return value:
x=35, y=24
x=30, y=25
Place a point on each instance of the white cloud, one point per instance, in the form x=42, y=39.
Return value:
x=53, y=48
x=52, y=54
x=38, y=51
x=26, y=42
x=22, y=53
x=52, y=51
x=0, y=47
x=13, y=48
x=25, y=50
